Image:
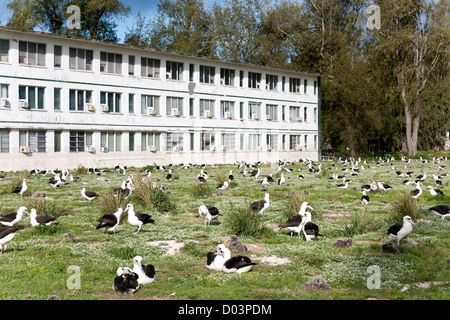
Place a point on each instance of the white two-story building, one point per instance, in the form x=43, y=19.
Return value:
x=67, y=102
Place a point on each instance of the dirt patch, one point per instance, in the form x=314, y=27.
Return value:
x=275, y=261
x=172, y=246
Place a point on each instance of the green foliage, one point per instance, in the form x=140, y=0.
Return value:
x=405, y=206
x=359, y=223
x=201, y=190
x=244, y=221
x=146, y=194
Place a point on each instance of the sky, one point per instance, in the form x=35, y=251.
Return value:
x=148, y=8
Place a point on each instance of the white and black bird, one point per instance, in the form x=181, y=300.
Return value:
x=364, y=198
x=441, y=210
x=402, y=229
x=281, y=180
x=223, y=185
x=55, y=181
x=126, y=281
x=110, y=221
x=261, y=205
x=22, y=188
x=12, y=218
x=416, y=192
x=89, y=195
x=434, y=192
x=384, y=186
x=215, y=260
x=169, y=176
x=310, y=229
x=294, y=223
x=210, y=213
x=342, y=185
x=237, y=264
x=146, y=273
x=37, y=220
x=264, y=183
x=230, y=176
x=136, y=218
x=7, y=233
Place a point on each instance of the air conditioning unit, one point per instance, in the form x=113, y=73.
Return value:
x=152, y=148
x=224, y=148
x=208, y=114
x=176, y=148
x=23, y=104
x=175, y=112
x=298, y=147
x=91, y=149
x=104, y=149
x=90, y=107
x=299, y=119
x=255, y=116
x=268, y=117
x=104, y=107
x=213, y=148
x=24, y=149
x=228, y=115
x=151, y=111
x=5, y=103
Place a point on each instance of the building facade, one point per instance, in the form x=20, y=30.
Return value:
x=67, y=102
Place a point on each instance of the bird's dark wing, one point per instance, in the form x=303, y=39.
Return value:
x=293, y=221
x=210, y=256
x=45, y=218
x=6, y=230
x=311, y=228
x=145, y=218
x=395, y=228
x=149, y=270
x=107, y=220
x=91, y=194
x=8, y=217
x=212, y=210
x=238, y=262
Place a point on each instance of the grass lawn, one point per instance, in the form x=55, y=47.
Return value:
x=40, y=261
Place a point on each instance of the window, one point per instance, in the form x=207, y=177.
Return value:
x=4, y=50
x=131, y=65
x=4, y=141
x=150, y=68
x=110, y=63
x=4, y=91
x=271, y=82
x=228, y=141
x=191, y=107
x=76, y=141
x=295, y=113
x=283, y=83
x=241, y=142
x=112, y=100
x=57, y=99
x=57, y=141
x=207, y=74
x=78, y=99
x=294, y=142
x=283, y=113
x=206, y=108
x=254, y=142
x=315, y=142
x=315, y=87
x=305, y=114
x=283, y=142
x=241, y=110
x=33, y=95
x=294, y=85
x=227, y=109
x=150, y=140
x=272, y=142
x=207, y=141
x=174, y=106
x=254, y=110
x=150, y=104
x=254, y=80
x=315, y=114
x=80, y=59
x=174, y=70
x=111, y=140
x=271, y=112
x=305, y=86
x=35, y=140
x=131, y=137
x=306, y=142
x=191, y=141
x=57, y=56
x=191, y=72
x=32, y=53
x=131, y=103
x=241, y=78
x=226, y=77
x=174, y=141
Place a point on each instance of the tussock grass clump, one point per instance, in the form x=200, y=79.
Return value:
x=244, y=221
x=359, y=223
x=80, y=170
x=201, y=190
x=44, y=206
x=405, y=206
x=146, y=194
x=108, y=202
x=294, y=203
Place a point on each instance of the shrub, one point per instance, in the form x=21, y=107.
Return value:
x=201, y=190
x=109, y=202
x=244, y=221
x=146, y=194
x=405, y=206
x=359, y=223
x=44, y=206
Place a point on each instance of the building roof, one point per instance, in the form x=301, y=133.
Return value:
x=153, y=50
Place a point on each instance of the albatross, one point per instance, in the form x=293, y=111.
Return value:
x=136, y=218
x=40, y=219
x=7, y=233
x=209, y=212
x=110, y=221
x=126, y=281
x=22, y=188
x=402, y=229
x=88, y=195
x=441, y=210
x=310, y=229
x=12, y=218
x=294, y=223
x=261, y=205
x=146, y=273
x=237, y=264
x=215, y=260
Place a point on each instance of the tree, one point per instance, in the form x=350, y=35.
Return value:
x=414, y=38
x=22, y=15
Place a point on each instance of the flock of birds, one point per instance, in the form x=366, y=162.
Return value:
x=129, y=280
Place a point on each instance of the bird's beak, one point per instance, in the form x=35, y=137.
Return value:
x=311, y=208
